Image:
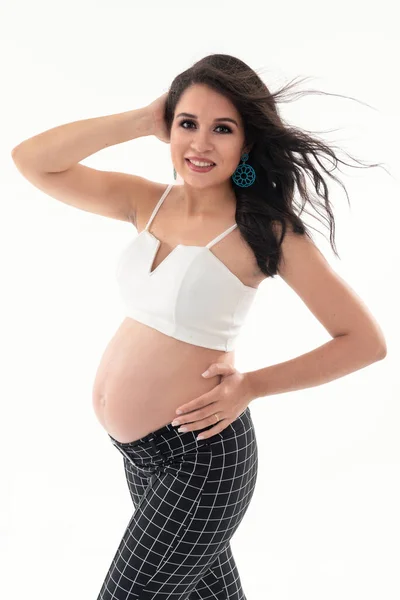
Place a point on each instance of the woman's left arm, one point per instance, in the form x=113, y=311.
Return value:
x=357, y=340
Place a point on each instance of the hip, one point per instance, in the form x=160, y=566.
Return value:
x=232, y=451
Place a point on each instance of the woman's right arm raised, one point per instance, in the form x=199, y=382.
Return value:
x=50, y=161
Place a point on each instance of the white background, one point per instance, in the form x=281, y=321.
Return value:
x=324, y=520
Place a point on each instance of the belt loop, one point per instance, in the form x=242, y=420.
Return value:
x=154, y=445
x=159, y=459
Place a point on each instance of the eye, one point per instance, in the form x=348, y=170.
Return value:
x=228, y=130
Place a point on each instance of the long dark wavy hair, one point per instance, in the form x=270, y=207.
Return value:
x=281, y=155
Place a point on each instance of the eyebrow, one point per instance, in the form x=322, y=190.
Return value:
x=184, y=114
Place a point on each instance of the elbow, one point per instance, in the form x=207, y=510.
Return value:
x=381, y=352
x=374, y=341
x=380, y=345
x=378, y=349
x=372, y=346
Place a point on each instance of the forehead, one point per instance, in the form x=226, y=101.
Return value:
x=200, y=98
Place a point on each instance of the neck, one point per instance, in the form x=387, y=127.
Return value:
x=209, y=201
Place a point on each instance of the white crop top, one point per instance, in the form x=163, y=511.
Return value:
x=191, y=295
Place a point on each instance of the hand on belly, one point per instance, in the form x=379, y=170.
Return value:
x=138, y=385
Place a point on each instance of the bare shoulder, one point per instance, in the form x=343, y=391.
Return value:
x=143, y=204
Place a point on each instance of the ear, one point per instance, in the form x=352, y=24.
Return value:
x=247, y=149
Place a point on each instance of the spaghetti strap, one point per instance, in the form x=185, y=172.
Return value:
x=221, y=236
x=161, y=200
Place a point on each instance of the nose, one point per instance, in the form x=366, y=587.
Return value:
x=201, y=143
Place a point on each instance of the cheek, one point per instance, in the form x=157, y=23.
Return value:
x=177, y=139
x=231, y=159
x=177, y=149
x=230, y=150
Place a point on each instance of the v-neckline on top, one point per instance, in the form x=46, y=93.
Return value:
x=151, y=272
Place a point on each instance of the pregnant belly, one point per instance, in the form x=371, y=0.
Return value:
x=143, y=377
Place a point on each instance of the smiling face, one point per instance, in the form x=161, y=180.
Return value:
x=214, y=133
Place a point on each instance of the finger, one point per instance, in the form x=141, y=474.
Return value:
x=200, y=416
x=195, y=404
x=218, y=369
x=220, y=426
x=200, y=424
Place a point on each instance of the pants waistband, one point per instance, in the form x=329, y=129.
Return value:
x=168, y=442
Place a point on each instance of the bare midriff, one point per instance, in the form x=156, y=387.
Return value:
x=145, y=375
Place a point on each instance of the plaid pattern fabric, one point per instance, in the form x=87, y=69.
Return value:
x=189, y=498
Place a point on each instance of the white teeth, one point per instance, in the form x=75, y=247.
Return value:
x=200, y=164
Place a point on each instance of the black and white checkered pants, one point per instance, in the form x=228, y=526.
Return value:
x=190, y=496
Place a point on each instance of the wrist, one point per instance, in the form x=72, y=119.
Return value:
x=251, y=385
x=135, y=123
x=146, y=121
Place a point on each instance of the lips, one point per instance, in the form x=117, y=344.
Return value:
x=199, y=159
x=198, y=169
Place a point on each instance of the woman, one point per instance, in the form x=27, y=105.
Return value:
x=187, y=281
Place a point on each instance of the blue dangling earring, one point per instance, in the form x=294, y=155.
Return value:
x=244, y=175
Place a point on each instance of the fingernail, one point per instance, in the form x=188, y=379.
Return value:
x=182, y=429
x=200, y=437
x=175, y=422
x=205, y=373
x=179, y=412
